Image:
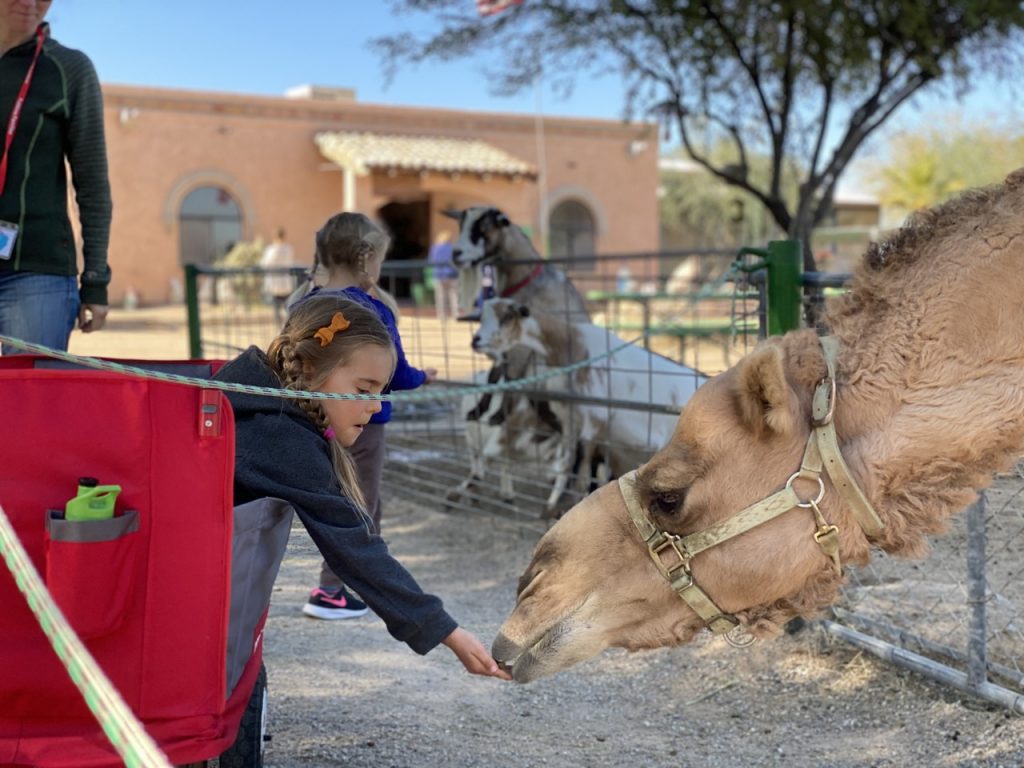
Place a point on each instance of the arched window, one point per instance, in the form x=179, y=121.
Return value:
x=572, y=231
x=211, y=222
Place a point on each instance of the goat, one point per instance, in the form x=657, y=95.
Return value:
x=502, y=427
x=488, y=238
x=631, y=374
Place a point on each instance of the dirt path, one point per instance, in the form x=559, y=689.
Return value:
x=346, y=693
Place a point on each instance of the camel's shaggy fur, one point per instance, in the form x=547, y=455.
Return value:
x=930, y=404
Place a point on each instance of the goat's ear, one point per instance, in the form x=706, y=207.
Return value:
x=451, y=213
x=766, y=402
x=500, y=219
x=524, y=311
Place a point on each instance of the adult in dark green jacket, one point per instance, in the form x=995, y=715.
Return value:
x=60, y=117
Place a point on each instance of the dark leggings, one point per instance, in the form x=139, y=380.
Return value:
x=368, y=453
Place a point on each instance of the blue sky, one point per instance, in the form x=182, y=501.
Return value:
x=265, y=47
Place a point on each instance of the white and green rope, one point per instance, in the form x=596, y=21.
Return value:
x=227, y=386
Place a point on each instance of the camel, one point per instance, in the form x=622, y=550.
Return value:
x=803, y=456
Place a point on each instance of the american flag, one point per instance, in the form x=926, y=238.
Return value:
x=491, y=7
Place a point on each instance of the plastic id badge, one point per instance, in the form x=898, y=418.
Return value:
x=8, y=234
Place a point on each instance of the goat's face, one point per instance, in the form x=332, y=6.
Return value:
x=504, y=325
x=480, y=230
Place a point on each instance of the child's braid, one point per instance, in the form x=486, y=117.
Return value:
x=292, y=377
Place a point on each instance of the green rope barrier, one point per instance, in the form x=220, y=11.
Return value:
x=123, y=730
x=295, y=394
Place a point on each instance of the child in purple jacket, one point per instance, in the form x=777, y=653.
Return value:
x=350, y=249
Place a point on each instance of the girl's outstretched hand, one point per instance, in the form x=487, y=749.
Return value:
x=474, y=657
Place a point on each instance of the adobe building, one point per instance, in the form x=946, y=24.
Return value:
x=194, y=172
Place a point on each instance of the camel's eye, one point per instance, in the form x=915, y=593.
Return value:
x=667, y=502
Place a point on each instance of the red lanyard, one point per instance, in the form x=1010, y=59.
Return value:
x=12, y=122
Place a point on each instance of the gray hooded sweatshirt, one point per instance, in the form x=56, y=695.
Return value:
x=280, y=453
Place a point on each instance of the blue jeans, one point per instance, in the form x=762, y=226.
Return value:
x=38, y=308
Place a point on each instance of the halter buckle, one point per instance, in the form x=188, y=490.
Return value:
x=671, y=542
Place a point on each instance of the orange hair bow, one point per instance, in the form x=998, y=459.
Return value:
x=326, y=334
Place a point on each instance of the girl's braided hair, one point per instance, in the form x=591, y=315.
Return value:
x=349, y=239
x=302, y=363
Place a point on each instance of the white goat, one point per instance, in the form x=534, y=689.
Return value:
x=631, y=374
x=504, y=427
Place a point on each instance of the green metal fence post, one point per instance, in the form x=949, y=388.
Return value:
x=195, y=344
x=784, y=260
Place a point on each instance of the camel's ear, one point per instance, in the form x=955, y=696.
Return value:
x=765, y=400
x=452, y=214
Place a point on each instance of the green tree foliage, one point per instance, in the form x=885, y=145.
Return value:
x=921, y=168
x=246, y=288
x=699, y=210
x=801, y=82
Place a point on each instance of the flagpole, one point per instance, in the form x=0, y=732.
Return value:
x=542, y=192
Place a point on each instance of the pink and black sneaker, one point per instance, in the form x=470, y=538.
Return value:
x=323, y=604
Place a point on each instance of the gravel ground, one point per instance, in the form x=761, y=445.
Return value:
x=346, y=693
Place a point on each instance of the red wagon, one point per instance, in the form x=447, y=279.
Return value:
x=169, y=596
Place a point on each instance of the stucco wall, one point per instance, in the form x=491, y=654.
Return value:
x=163, y=144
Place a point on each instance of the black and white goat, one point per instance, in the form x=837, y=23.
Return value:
x=488, y=238
x=622, y=436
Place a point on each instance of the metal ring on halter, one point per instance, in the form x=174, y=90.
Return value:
x=821, y=490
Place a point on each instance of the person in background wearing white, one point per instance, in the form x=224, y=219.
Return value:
x=278, y=286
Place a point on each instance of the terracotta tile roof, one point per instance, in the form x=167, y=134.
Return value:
x=363, y=152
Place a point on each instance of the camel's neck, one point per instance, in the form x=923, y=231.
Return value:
x=931, y=363
x=927, y=411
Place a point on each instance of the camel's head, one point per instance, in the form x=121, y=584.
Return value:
x=592, y=583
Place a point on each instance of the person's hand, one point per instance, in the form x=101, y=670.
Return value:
x=431, y=375
x=474, y=657
x=92, y=317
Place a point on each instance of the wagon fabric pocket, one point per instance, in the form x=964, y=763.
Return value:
x=90, y=569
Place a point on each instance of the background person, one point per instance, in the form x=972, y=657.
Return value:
x=59, y=117
x=278, y=287
x=446, y=277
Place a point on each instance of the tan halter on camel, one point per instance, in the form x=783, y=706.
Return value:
x=672, y=553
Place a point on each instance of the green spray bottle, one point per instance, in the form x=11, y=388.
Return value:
x=93, y=501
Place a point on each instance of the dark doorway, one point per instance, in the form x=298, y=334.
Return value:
x=409, y=227
x=210, y=224
x=572, y=233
